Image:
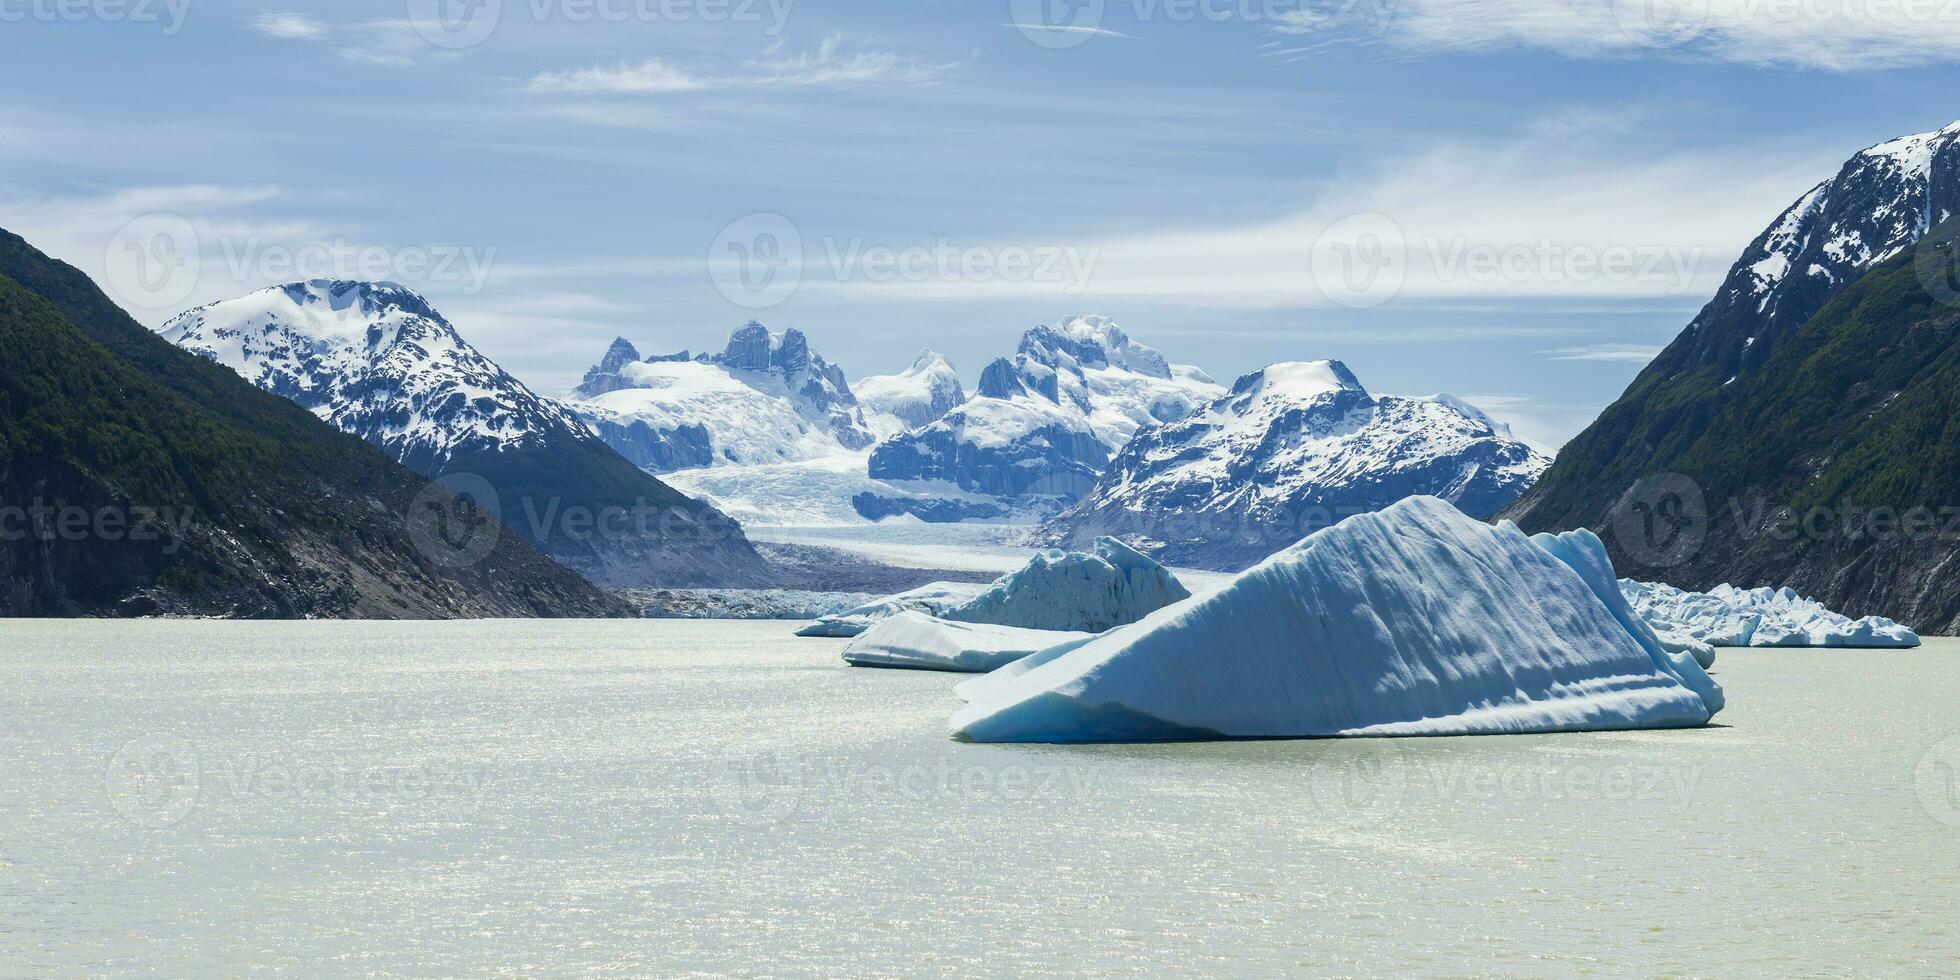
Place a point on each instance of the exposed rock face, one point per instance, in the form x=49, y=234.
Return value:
x=1046, y=458
x=1293, y=448
x=817, y=382
x=606, y=375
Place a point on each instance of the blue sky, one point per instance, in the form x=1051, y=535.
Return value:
x=1559, y=186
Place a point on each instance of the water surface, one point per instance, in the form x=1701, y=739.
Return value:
x=664, y=797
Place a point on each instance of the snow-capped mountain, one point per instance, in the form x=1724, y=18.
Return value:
x=1042, y=424
x=919, y=395
x=767, y=398
x=1882, y=201
x=377, y=360
x=1293, y=448
x=1817, y=380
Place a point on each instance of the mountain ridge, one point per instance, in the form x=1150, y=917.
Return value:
x=276, y=515
x=378, y=361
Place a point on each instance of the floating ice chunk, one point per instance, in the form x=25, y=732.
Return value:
x=932, y=599
x=1730, y=617
x=1415, y=620
x=918, y=641
x=1060, y=590
x=1703, y=653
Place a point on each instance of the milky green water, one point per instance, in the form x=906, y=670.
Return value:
x=670, y=797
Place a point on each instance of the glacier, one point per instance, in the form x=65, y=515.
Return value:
x=917, y=641
x=1727, y=616
x=932, y=599
x=1062, y=590
x=1413, y=620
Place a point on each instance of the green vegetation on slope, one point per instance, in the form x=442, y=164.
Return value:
x=264, y=509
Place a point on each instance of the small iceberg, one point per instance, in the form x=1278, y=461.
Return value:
x=1056, y=590
x=930, y=599
x=1414, y=620
x=1730, y=617
x=1076, y=592
x=920, y=642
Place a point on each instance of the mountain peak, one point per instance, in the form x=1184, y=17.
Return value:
x=999, y=379
x=376, y=360
x=1299, y=380
x=1092, y=341
x=928, y=360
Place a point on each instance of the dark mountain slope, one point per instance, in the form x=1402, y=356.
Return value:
x=138, y=478
x=1833, y=467
x=378, y=361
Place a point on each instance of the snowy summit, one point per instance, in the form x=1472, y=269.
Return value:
x=1293, y=448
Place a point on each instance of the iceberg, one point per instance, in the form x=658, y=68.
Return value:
x=1731, y=617
x=920, y=642
x=932, y=599
x=1414, y=620
x=1077, y=592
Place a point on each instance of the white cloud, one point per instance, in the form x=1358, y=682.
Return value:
x=1068, y=29
x=1835, y=35
x=829, y=65
x=292, y=27
x=374, y=42
x=647, y=77
x=1607, y=353
x=1565, y=212
x=1304, y=20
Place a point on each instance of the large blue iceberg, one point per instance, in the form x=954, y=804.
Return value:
x=1415, y=620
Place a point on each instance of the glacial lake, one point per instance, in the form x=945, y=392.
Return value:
x=658, y=798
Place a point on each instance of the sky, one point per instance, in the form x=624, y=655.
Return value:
x=1515, y=201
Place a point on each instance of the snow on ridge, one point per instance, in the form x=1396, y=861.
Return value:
x=917, y=396
x=1913, y=155
x=1300, y=381
x=767, y=398
x=374, y=359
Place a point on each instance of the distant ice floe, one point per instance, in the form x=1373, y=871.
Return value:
x=1416, y=620
x=930, y=599
x=1733, y=617
x=920, y=642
